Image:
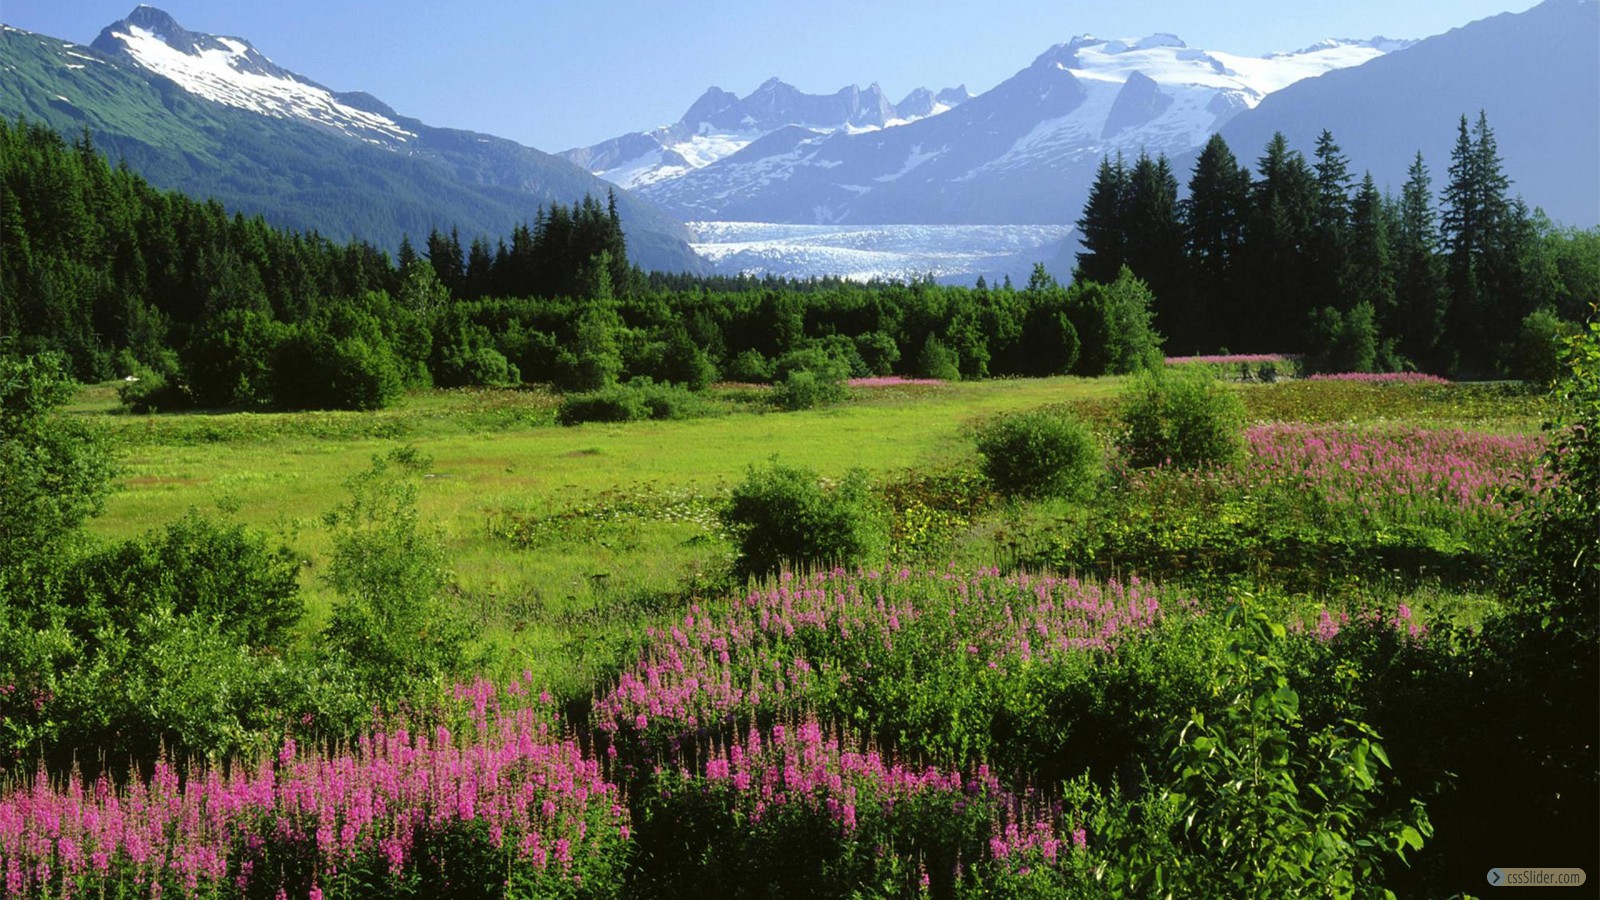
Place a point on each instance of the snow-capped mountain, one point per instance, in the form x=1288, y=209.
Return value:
x=720, y=124
x=213, y=116
x=1023, y=152
x=230, y=71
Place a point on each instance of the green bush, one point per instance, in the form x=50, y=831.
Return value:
x=391, y=622
x=229, y=360
x=1540, y=345
x=150, y=392
x=1039, y=454
x=783, y=516
x=632, y=402
x=938, y=361
x=1182, y=419
x=195, y=566
x=806, y=389
x=55, y=471
x=467, y=357
x=750, y=367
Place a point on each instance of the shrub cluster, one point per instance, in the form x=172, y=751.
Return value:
x=784, y=516
x=1183, y=419
x=1040, y=454
x=630, y=402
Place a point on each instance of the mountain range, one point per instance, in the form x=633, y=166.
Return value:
x=940, y=181
x=720, y=124
x=1021, y=153
x=213, y=116
x=1535, y=74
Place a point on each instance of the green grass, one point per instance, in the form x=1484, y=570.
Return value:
x=563, y=604
x=611, y=555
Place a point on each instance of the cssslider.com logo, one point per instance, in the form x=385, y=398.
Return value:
x=1530, y=876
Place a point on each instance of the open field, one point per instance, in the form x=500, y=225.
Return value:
x=628, y=507
x=1076, y=694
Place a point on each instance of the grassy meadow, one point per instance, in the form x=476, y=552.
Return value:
x=627, y=509
x=1252, y=677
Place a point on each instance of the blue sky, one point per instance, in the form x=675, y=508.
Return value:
x=561, y=74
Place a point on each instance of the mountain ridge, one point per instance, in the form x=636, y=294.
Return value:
x=1020, y=153
x=344, y=165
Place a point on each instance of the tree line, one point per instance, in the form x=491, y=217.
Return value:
x=1298, y=256
x=211, y=309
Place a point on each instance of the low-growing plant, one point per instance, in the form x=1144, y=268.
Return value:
x=195, y=566
x=1183, y=419
x=784, y=515
x=1040, y=454
x=631, y=402
x=391, y=622
x=1268, y=807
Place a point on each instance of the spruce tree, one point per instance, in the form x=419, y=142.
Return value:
x=1420, y=290
x=1370, y=276
x=1279, y=236
x=1331, y=249
x=1102, y=228
x=1154, y=246
x=1475, y=225
x=1214, y=222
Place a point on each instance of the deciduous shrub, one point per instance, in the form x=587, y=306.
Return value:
x=195, y=566
x=783, y=515
x=390, y=623
x=54, y=471
x=938, y=361
x=1184, y=419
x=631, y=402
x=1040, y=454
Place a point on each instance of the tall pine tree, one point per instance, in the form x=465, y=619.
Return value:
x=1214, y=220
x=1102, y=230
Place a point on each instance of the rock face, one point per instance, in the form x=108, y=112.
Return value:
x=212, y=116
x=1022, y=153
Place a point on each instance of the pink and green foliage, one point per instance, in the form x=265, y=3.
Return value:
x=811, y=639
x=1439, y=477
x=947, y=666
x=1229, y=359
x=1311, y=503
x=1381, y=377
x=512, y=799
x=800, y=810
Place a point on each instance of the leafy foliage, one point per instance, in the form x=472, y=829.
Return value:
x=782, y=515
x=1183, y=419
x=392, y=623
x=1040, y=454
x=55, y=472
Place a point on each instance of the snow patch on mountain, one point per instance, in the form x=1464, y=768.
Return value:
x=225, y=73
x=720, y=124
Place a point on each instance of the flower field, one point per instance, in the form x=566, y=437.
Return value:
x=1259, y=670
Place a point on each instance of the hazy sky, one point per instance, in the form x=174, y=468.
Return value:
x=561, y=74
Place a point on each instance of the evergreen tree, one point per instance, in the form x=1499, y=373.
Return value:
x=1102, y=229
x=1214, y=220
x=1154, y=245
x=1475, y=225
x=444, y=254
x=1331, y=250
x=1420, y=290
x=1279, y=235
x=1371, y=277
x=407, y=256
x=479, y=273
